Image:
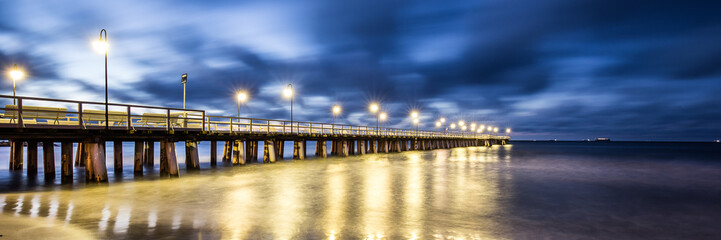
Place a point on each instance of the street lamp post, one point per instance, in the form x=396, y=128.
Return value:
x=242, y=97
x=288, y=92
x=102, y=45
x=415, y=121
x=374, y=109
x=183, y=80
x=382, y=117
x=15, y=74
x=336, y=110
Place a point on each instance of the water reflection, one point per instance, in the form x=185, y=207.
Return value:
x=411, y=195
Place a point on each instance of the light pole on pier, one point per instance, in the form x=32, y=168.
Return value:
x=336, y=110
x=508, y=131
x=382, y=117
x=102, y=46
x=415, y=122
x=288, y=92
x=374, y=109
x=242, y=97
x=15, y=74
x=184, y=80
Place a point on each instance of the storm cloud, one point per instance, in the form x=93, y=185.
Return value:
x=565, y=69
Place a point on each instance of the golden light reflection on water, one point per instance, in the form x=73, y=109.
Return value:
x=449, y=194
x=376, y=197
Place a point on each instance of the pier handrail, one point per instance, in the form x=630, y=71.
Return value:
x=168, y=118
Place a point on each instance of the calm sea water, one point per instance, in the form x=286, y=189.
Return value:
x=527, y=190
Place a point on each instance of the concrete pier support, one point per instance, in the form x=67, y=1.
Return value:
x=238, y=153
x=269, y=154
x=299, y=149
x=80, y=155
x=213, y=153
x=414, y=144
x=251, y=151
x=168, y=161
x=192, y=162
x=138, y=159
x=149, y=153
x=32, y=158
x=320, y=149
x=95, y=170
x=118, y=157
x=66, y=162
x=227, y=151
x=361, y=145
x=49, y=160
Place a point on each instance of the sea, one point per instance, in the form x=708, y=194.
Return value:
x=523, y=190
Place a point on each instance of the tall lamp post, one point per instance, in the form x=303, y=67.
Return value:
x=336, y=110
x=508, y=132
x=374, y=109
x=414, y=117
x=288, y=92
x=415, y=122
x=242, y=97
x=102, y=46
x=382, y=117
x=184, y=80
x=15, y=74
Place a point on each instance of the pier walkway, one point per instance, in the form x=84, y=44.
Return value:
x=27, y=121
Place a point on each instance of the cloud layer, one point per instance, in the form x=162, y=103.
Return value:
x=566, y=69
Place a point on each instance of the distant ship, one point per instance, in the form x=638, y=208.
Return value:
x=603, y=139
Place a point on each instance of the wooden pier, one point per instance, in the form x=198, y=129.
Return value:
x=49, y=121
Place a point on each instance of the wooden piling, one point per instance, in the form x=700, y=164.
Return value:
x=49, y=160
x=361, y=147
x=118, y=157
x=213, y=153
x=238, y=153
x=343, y=148
x=66, y=162
x=269, y=154
x=251, y=151
x=320, y=149
x=149, y=154
x=80, y=155
x=95, y=170
x=191, y=155
x=279, y=149
x=397, y=146
x=383, y=145
x=351, y=147
x=373, y=146
x=299, y=149
x=333, y=147
x=32, y=158
x=227, y=151
x=138, y=158
x=168, y=161
x=16, y=155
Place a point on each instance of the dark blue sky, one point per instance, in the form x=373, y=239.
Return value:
x=566, y=69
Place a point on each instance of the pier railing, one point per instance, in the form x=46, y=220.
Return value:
x=32, y=112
